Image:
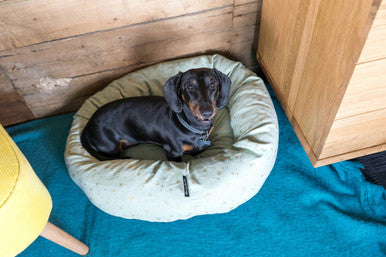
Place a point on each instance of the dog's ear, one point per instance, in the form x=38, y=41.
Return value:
x=225, y=86
x=171, y=89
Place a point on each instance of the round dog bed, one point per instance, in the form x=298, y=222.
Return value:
x=147, y=186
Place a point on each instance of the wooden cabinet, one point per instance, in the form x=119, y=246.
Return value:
x=326, y=62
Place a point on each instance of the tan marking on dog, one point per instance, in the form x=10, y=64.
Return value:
x=123, y=143
x=210, y=130
x=214, y=109
x=186, y=147
x=195, y=110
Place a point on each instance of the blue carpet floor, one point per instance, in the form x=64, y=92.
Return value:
x=300, y=211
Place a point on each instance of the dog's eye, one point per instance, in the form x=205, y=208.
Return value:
x=212, y=86
x=190, y=87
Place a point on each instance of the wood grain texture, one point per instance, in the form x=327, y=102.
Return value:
x=375, y=46
x=56, y=64
x=160, y=51
x=5, y=84
x=349, y=155
x=366, y=91
x=310, y=50
x=288, y=112
x=280, y=39
x=245, y=31
x=116, y=48
x=60, y=237
x=73, y=96
x=246, y=14
x=380, y=18
x=13, y=110
x=34, y=21
x=109, y=50
x=334, y=155
x=333, y=51
x=355, y=133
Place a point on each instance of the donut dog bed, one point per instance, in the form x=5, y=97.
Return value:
x=228, y=173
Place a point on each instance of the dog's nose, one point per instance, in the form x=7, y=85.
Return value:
x=206, y=114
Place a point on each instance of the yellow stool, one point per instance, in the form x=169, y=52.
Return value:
x=25, y=204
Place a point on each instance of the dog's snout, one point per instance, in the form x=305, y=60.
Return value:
x=206, y=110
x=206, y=114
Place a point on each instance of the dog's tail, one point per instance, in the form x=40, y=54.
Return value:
x=93, y=152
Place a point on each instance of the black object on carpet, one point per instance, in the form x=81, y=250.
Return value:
x=374, y=168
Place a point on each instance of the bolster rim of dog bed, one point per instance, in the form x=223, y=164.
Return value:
x=227, y=174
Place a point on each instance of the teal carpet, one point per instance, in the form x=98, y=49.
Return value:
x=300, y=211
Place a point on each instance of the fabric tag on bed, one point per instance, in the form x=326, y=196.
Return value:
x=186, y=188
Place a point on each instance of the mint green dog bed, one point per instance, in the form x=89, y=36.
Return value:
x=147, y=186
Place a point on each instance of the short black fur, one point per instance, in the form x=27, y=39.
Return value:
x=195, y=94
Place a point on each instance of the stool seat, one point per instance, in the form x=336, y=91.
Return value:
x=25, y=204
x=9, y=168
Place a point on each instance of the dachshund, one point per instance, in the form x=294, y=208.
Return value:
x=180, y=122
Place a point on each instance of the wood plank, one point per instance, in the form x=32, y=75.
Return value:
x=316, y=162
x=13, y=110
x=242, y=2
x=334, y=47
x=5, y=84
x=288, y=112
x=366, y=91
x=245, y=34
x=245, y=52
x=350, y=155
x=29, y=22
x=375, y=46
x=246, y=8
x=113, y=49
x=280, y=39
x=309, y=49
x=247, y=14
x=65, y=99
x=380, y=18
x=356, y=133
x=244, y=42
x=70, y=98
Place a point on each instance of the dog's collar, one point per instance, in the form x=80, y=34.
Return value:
x=200, y=132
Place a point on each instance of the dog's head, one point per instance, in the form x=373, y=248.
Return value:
x=198, y=92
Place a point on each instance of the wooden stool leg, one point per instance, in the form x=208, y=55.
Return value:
x=56, y=235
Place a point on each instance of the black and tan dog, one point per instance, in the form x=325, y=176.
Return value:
x=180, y=123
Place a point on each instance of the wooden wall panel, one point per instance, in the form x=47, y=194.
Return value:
x=5, y=84
x=162, y=50
x=12, y=106
x=13, y=109
x=56, y=64
x=33, y=21
x=108, y=50
x=246, y=14
x=246, y=24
